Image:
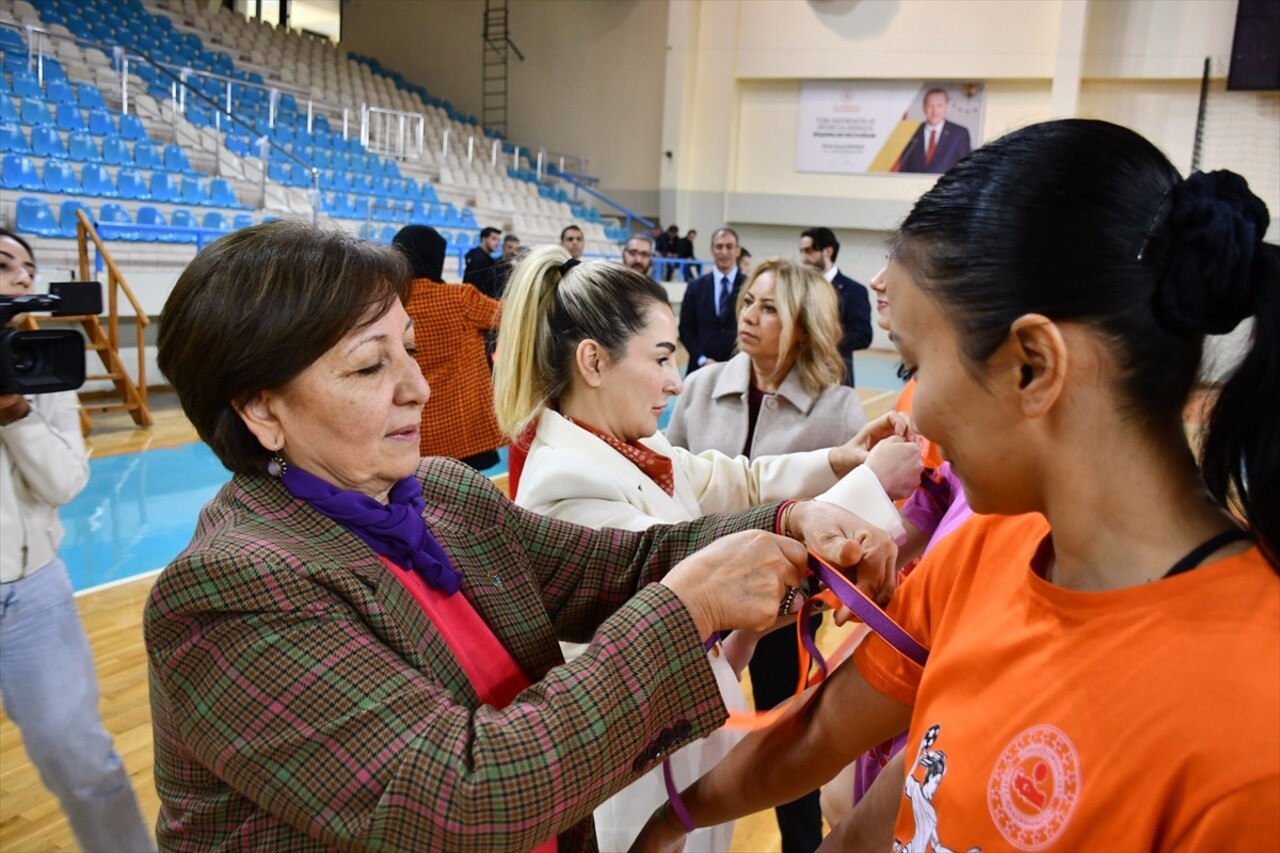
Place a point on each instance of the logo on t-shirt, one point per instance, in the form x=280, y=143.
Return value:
x=1034, y=787
x=922, y=783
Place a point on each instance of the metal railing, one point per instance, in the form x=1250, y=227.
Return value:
x=392, y=133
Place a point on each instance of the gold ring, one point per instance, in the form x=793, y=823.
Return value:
x=784, y=608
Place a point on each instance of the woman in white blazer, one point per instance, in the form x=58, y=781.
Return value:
x=588, y=355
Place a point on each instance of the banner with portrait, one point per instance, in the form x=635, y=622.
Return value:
x=869, y=127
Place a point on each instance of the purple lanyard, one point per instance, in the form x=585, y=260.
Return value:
x=862, y=607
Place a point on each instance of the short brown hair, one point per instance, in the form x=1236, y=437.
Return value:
x=255, y=309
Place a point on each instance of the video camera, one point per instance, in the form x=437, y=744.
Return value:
x=41, y=361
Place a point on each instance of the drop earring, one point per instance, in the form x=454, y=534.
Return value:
x=276, y=465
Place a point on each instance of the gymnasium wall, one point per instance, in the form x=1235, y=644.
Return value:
x=590, y=83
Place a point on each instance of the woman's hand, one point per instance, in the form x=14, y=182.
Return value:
x=13, y=407
x=847, y=542
x=897, y=464
x=738, y=581
x=855, y=451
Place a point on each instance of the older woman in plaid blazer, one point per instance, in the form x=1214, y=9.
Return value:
x=358, y=649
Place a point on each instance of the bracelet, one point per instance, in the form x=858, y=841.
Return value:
x=673, y=810
x=784, y=519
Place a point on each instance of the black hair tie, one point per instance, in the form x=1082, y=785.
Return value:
x=568, y=265
x=1215, y=227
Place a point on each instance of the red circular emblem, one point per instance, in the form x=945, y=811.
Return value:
x=1034, y=787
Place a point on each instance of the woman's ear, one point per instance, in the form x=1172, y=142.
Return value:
x=259, y=416
x=591, y=361
x=1038, y=361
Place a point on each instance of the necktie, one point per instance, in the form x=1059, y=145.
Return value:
x=725, y=288
x=933, y=146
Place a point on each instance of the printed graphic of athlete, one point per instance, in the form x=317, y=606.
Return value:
x=920, y=792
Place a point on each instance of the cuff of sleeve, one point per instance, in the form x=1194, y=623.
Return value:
x=861, y=494
x=884, y=669
x=666, y=655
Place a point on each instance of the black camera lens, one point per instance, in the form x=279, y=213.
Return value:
x=24, y=360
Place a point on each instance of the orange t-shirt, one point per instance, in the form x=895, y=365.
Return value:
x=930, y=453
x=1048, y=718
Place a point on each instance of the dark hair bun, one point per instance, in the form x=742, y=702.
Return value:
x=1215, y=227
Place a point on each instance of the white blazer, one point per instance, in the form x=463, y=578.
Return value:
x=571, y=474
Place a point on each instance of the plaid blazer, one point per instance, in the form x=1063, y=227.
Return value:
x=301, y=700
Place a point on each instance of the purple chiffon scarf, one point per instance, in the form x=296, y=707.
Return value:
x=395, y=530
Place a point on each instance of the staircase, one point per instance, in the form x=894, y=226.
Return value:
x=132, y=397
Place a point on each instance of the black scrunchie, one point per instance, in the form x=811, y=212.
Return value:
x=1215, y=225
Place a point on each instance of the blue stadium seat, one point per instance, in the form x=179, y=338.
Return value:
x=182, y=218
x=59, y=177
x=429, y=193
x=101, y=123
x=8, y=112
x=175, y=160
x=131, y=128
x=130, y=184
x=215, y=220
x=11, y=40
x=35, y=217
x=391, y=170
x=19, y=173
x=47, y=142
x=53, y=72
x=89, y=97
x=221, y=194
x=468, y=218
x=58, y=92
x=238, y=145
x=69, y=117
x=150, y=217
x=67, y=215
x=35, y=112
x=13, y=139
x=165, y=187
x=147, y=155
x=95, y=180
x=388, y=233
x=242, y=220
x=115, y=214
x=194, y=191
x=115, y=151
x=26, y=85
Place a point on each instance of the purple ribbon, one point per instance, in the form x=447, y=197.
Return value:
x=866, y=610
x=396, y=530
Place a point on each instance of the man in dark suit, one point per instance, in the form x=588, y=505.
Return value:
x=937, y=144
x=708, y=315
x=819, y=248
x=480, y=259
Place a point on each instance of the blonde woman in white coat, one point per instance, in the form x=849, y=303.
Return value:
x=588, y=355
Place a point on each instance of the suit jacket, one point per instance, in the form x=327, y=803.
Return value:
x=711, y=414
x=302, y=700
x=451, y=320
x=953, y=143
x=855, y=314
x=571, y=473
x=702, y=331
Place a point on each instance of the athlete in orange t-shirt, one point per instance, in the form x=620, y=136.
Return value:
x=1104, y=667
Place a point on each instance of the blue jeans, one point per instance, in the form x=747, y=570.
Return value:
x=50, y=691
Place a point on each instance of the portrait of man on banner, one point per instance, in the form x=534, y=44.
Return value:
x=939, y=140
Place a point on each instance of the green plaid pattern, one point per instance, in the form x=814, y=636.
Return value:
x=302, y=700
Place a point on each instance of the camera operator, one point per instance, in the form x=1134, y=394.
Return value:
x=47, y=678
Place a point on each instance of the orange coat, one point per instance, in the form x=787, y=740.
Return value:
x=449, y=322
